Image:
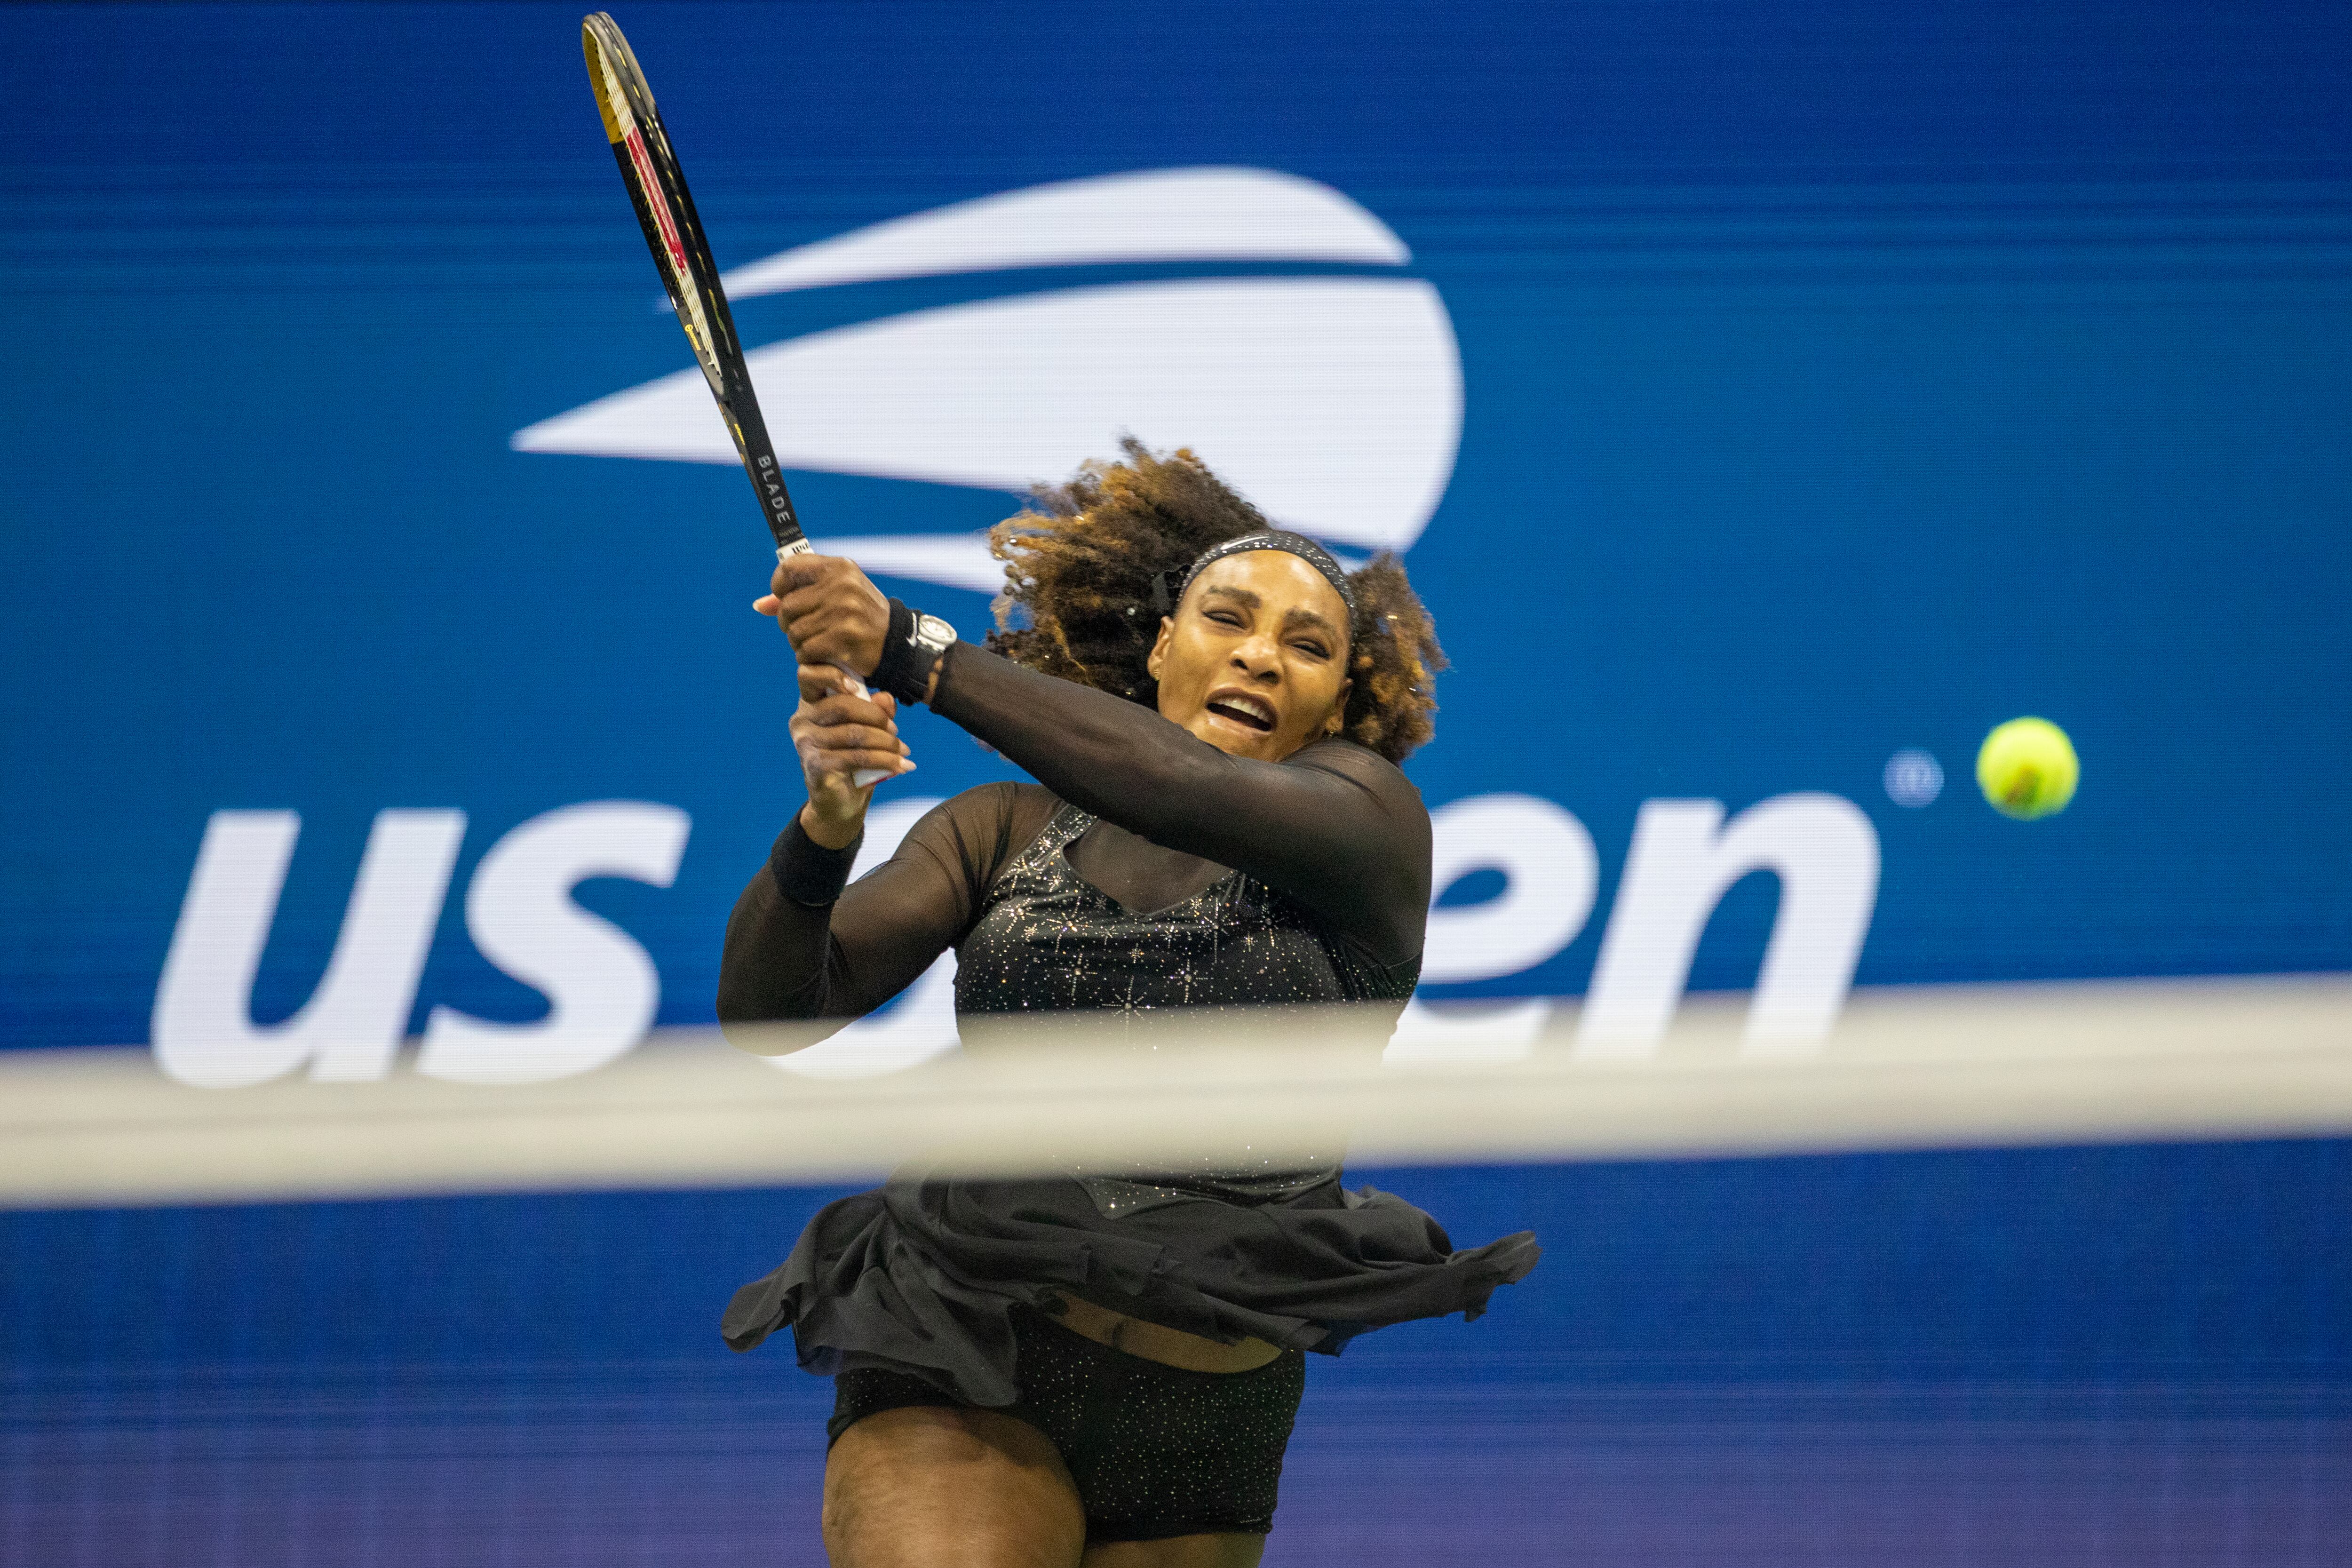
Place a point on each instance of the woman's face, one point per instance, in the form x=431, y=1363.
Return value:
x=1255, y=660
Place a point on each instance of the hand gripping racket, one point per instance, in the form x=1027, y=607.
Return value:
x=666, y=212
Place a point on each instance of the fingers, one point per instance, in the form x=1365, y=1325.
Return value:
x=819, y=681
x=842, y=729
x=803, y=583
x=843, y=762
x=794, y=570
x=852, y=737
x=848, y=721
x=830, y=610
x=794, y=573
x=832, y=633
x=799, y=603
x=803, y=611
x=849, y=748
x=849, y=705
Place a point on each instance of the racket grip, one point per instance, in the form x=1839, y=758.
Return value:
x=863, y=776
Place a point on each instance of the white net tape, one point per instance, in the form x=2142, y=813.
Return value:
x=1906, y=1067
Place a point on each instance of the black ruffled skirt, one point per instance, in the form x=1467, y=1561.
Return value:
x=920, y=1275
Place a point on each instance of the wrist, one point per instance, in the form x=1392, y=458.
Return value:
x=806, y=873
x=912, y=649
x=830, y=832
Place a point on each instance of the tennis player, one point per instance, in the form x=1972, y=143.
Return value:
x=1102, y=1367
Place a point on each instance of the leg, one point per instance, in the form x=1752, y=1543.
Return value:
x=937, y=1486
x=1227, y=1551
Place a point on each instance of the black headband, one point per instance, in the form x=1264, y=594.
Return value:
x=1164, y=598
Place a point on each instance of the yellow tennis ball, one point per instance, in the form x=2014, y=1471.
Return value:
x=2027, y=768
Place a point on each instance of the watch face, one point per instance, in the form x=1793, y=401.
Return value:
x=934, y=631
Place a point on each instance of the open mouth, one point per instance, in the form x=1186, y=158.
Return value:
x=1253, y=711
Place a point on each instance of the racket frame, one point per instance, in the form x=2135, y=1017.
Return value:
x=673, y=231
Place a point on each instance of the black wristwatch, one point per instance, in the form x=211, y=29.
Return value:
x=911, y=649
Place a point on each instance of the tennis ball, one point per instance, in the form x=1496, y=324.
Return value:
x=2027, y=768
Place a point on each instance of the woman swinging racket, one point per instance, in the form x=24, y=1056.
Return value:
x=1092, y=1368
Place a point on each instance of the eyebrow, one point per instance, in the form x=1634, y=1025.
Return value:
x=1307, y=617
x=1297, y=616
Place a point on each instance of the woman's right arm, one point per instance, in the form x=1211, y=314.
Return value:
x=796, y=947
x=801, y=946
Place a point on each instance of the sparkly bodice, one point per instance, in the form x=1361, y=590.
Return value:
x=1049, y=940
x=1051, y=949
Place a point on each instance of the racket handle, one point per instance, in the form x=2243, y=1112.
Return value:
x=799, y=545
x=863, y=776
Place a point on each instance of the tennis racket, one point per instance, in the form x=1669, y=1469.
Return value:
x=674, y=233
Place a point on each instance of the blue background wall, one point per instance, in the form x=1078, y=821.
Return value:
x=1840, y=378
x=1837, y=381
x=2039, y=1358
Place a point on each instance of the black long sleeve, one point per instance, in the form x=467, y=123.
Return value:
x=819, y=950
x=1335, y=825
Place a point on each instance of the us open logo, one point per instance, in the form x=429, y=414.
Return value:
x=1334, y=403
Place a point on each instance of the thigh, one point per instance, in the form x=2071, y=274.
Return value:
x=1182, y=1551
x=939, y=1487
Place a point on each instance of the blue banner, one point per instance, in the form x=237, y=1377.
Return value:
x=1768, y=400
x=1763, y=426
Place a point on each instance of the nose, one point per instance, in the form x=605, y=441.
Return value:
x=1257, y=657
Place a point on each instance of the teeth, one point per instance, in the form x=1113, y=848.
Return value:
x=1255, y=706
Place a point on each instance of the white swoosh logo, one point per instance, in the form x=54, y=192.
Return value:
x=1334, y=403
x=1161, y=215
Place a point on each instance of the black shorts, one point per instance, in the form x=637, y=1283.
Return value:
x=1156, y=1452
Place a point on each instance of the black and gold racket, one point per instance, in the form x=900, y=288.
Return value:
x=682, y=255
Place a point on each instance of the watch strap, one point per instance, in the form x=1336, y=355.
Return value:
x=910, y=651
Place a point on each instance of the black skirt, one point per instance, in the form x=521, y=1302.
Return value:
x=921, y=1275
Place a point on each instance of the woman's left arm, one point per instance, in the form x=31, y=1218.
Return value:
x=1335, y=825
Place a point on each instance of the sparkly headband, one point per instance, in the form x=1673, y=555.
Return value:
x=1166, y=594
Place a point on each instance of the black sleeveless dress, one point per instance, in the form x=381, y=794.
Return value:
x=923, y=1274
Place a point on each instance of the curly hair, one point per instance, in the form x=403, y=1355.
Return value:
x=1079, y=566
